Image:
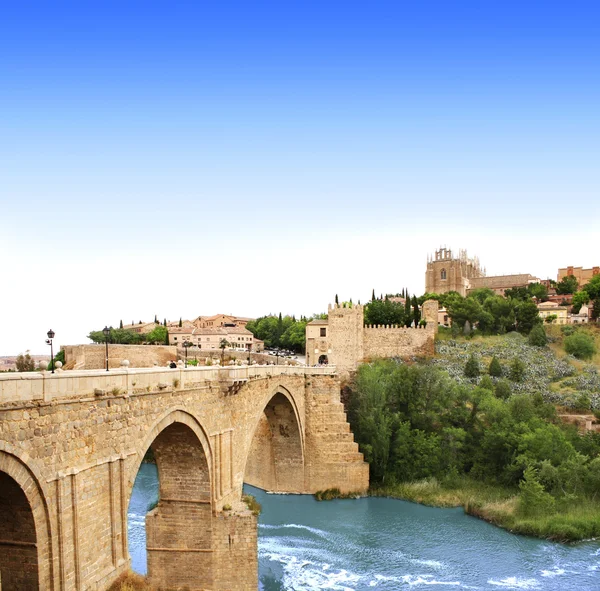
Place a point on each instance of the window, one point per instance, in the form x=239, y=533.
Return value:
x=443, y=274
x=323, y=332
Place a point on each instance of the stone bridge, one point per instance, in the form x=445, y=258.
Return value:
x=71, y=445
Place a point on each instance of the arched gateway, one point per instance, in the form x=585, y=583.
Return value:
x=71, y=445
x=25, y=546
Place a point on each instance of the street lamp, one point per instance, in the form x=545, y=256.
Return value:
x=186, y=346
x=106, y=332
x=249, y=354
x=49, y=342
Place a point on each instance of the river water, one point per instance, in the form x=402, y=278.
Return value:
x=385, y=544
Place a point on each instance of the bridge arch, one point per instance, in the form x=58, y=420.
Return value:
x=26, y=557
x=179, y=528
x=275, y=456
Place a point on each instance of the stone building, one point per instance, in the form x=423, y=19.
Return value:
x=343, y=339
x=462, y=274
x=448, y=273
x=238, y=337
x=582, y=275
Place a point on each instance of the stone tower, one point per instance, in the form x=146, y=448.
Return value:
x=346, y=336
x=448, y=273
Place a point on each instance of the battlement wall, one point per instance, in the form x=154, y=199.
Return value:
x=395, y=341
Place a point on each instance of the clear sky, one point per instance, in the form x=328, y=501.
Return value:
x=186, y=158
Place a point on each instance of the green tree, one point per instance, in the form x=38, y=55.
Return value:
x=158, y=335
x=223, y=344
x=294, y=337
x=538, y=291
x=580, y=345
x=537, y=336
x=527, y=316
x=472, y=369
x=25, y=362
x=502, y=390
x=416, y=311
x=566, y=285
x=180, y=322
x=486, y=383
x=517, y=370
x=495, y=369
x=60, y=356
x=120, y=324
x=336, y=299
x=580, y=298
x=117, y=336
x=385, y=312
x=533, y=499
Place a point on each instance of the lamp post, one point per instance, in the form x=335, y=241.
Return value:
x=249, y=354
x=106, y=332
x=49, y=342
x=186, y=346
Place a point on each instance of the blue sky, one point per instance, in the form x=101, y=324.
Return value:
x=186, y=158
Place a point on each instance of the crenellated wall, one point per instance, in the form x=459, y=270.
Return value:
x=348, y=342
x=394, y=341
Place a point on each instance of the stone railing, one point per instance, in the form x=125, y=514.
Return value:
x=46, y=386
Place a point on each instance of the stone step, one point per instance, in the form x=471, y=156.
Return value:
x=329, y=427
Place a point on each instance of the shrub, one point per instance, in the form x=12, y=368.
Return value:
x=583, y=403
x=495, y=368
x=580, y=345
x=567, y=330
x=487, y=383
x=537, y=336
x=252, y=504
x=472, y=367
x=503, y=390
x=517, y=370
x=533, y=499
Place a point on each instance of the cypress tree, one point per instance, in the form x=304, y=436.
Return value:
x=373, y=296
x=120, y=324
x=472, y=367
x=155, y=319
x=416, y=311
x=495, y=368
x=336, y=301
x=165, y=322
x=180, y=322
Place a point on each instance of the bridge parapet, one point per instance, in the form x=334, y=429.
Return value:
x=46, y=386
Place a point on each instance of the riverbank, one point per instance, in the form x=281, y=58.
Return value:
x=574, y=520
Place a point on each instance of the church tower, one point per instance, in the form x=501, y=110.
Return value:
x=448, y=273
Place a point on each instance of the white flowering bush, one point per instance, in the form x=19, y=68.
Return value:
x=542, y=367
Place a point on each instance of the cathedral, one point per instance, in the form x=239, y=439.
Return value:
x=446, y=273
x=461, y=274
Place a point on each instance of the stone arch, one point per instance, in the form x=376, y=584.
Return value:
x=275, y=456
x=443, y=274
x=179, y=528
x=24, y=520
x=173, y=415
x=323, y=360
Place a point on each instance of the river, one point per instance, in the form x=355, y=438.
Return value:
x=385, y=544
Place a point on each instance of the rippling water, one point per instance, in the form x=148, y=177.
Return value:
x=386, y=544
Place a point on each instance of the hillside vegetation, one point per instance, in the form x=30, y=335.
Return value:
x=445, y=432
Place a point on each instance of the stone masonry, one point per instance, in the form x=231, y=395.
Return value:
x=71, y=445
x=345, y=341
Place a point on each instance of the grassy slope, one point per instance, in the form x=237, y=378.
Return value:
x=574, y=520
